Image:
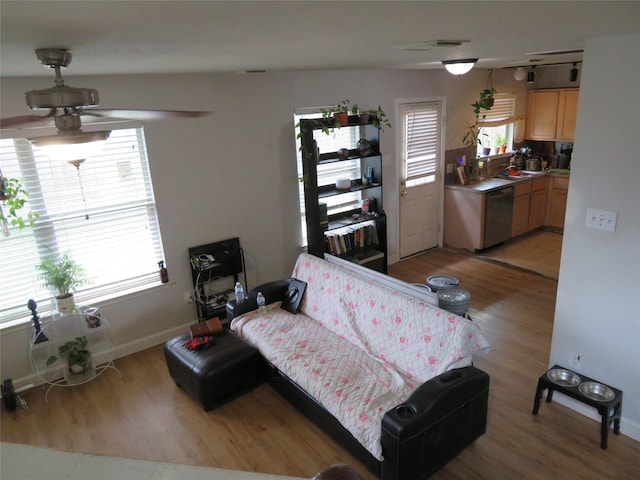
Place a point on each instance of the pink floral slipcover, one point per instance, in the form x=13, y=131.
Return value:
x=358, y=347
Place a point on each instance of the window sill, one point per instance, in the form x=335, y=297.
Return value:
x=495, y=157
x=25, y=322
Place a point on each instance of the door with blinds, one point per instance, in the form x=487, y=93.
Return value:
x=419, y=186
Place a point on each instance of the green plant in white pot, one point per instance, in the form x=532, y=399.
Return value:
x=76, y=353
x=63, y=276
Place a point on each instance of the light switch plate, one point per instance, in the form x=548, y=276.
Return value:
x=601, y=219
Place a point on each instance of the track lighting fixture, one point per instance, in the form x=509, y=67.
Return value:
x=459, y=67
x=531, y=75
x=573, y=74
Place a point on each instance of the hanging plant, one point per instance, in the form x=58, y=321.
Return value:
x=13, y=196
x=484, y=103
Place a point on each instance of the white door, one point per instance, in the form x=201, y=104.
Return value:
x=419, y=187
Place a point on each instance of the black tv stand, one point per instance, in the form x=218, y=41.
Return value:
x=211, y=265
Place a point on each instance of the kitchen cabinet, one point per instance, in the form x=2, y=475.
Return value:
x=538, y=202
x=567, y=114
x=521, y=206
x=464, y=219
x=557, y=201
x=529, y=205
x=551, y=114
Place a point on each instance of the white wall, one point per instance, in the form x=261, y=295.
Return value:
x=231, y=174
x=598, y=302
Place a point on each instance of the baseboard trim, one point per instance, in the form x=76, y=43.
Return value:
x=628, y=427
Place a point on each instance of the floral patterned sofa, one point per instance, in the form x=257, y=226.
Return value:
x=389, y=375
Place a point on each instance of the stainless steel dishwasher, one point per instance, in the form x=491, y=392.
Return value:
x=498, y=216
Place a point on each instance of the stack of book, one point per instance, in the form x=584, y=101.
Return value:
x=354, y=237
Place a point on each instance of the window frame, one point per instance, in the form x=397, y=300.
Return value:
x=59, y=227
x=327, y=172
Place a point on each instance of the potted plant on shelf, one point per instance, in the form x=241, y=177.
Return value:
x=340, y=113
x=13, y=196
x=76, y=353
x=63, y=276
x=501, y=142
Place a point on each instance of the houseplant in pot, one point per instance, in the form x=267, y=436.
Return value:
x=63, y=276
x=501, y=142
x=76, y=353
x=340, y=113
x=484, y=103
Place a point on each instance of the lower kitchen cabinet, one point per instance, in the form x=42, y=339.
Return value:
x=521, y=202
x=558, y=202
x=464, y=219
x=529, y=205
x=538, y=203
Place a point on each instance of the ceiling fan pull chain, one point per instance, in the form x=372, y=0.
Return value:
x=76, y=163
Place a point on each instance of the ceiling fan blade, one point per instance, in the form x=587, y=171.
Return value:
x=11, y=122
x=144, y=114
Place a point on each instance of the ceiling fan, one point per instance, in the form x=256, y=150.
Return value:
x=67, y=104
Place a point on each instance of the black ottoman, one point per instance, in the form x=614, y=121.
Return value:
x=217, y=374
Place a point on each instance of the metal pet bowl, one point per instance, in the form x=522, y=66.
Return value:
x=563, y=377
x=597, y=391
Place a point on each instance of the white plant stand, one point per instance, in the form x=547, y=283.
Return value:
x=59, y=329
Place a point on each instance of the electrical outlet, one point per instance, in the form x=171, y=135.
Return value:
x=601, y=220
x=575, y=359
x=186, y=297
x=449, y=167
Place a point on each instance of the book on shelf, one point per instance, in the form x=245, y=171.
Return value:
x=208, y=328
x=350, y=238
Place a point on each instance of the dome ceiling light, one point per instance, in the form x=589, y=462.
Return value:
x=459, y=67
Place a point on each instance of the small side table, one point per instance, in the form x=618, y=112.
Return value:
x=59, y=329
x=611, y=410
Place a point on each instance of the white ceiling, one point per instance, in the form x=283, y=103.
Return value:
x=127, y=37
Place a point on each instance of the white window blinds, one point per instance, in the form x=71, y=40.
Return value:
x=421, y=143
x=502, y=112
x=118, y=245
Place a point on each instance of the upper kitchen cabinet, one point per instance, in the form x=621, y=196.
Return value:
x=551, y=114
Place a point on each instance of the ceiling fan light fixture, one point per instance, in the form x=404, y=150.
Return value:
x=71, y=146
x=459, y=67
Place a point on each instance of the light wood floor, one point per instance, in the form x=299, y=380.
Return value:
x=144, y=415
x=537, y=251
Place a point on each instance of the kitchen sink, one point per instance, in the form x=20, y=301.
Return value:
x=523, y=174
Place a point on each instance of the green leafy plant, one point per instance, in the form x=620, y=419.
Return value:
x=63, y=275
x=76, y=353
x=471, y=137
x=13, y=197
x=379, y=118
x=501, y=140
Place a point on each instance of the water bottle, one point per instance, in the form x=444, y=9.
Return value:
x=239, y=292
x=370, y=175
x=262, y=302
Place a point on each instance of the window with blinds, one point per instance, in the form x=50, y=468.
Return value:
x=103, y=215
x=421, y=141
x=329, y=172
x=502, y=112
x=497, y=125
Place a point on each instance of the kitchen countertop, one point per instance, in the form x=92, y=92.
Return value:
x=497, y=183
